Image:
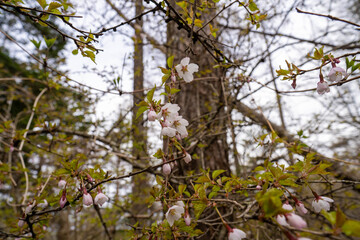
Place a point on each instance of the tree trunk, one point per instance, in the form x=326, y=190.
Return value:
x=201, y=101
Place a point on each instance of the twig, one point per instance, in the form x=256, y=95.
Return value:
x=328, y=16
x=23, y=141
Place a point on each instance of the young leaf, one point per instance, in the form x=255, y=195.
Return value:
x=170, y=61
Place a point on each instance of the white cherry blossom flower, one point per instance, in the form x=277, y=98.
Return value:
x=187, y=158
x=170, y=111
x=336, y=74
x=320, y=203
x=87, y=199
x=322, y=87
x=100, y=199
x=236, y=234
x=187, y=220
x=186, y=69
x=62, y=184
x=29, y=208
x=282, y=220
x=174, y=214
x=180, y=124
x=168, y=131
x=152, y=115
x=43, y=205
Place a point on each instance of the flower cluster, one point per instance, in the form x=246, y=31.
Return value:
x=335, y=75
x=290, y=219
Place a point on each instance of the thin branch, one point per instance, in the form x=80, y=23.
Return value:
x=328, y=16
x=23, y=141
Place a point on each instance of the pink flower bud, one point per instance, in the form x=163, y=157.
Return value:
x=100, y=199
x=87, y=198
x=235, y=234
x=322, y=87
x=63, y=199
x=152, y=115
x=301, y=208
x=258, y=187
x=295, y=221
x=166, y=169
x=62, y=184
x=187, y=219
x=21, y=223
x=187, y=158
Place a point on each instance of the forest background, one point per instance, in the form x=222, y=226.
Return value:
x=80, y=81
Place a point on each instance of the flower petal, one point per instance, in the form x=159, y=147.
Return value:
x=185, y=61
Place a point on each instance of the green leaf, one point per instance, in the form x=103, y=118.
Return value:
x=355, y=67
x=150, y=94
x=252, y=6
x=42, y=3
x=259, y=168
x=217, y=173
x=174, y=90
x=330, y=216
x=90, y=55
x=199, y=207
x=170, y=61
x=159, y=180
x=198, y=23
x=351, y=228
x=75, y=52
x=49, y=42
x=270, y=202
x=202, y=179
x=54, y=5
x=182, y=188
x=141, y=110
x=37, y=44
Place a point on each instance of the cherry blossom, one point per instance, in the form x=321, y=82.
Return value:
x=87, y=198
x=187, y=218
x=295, y=221
x=336, y=74
x=152, y=116
x=186, y=69
x=100, y=199
x=320, y=203
x=166, y=169
x=21, y=223
x=322, y=87
x=282, y=220
x=168, y=131
x=187, y=158
x=236, y=234
x=43, y=205
x=29, y=208
x=303, y=238
x=174, y=214
x=63, y=199
x=62, y=184
x=287, y=206
x=258, y=187
x=300, y=207
x=170, y=111
x=180, y=124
